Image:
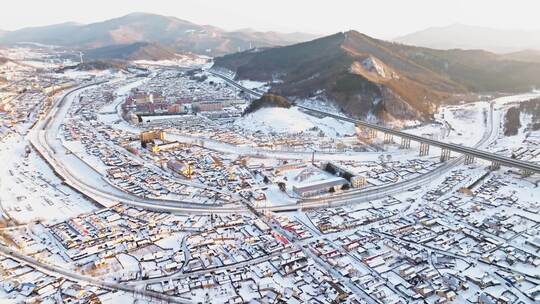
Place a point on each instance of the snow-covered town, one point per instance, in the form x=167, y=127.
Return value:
x=157, y=182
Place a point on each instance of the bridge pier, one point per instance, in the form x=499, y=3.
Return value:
x=424, y=149
x=424, y=143
x=469, y=159
x=388, y=138
x=494, y=166
x=405, y=143
x=445, y=155
x=360, y=131
x=372, y=133
x=526, y=173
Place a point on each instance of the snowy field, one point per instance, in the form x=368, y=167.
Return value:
x=78, y=75
x=255, y=85
x=30, y=191
x=181, y=60
x=464, y=124
x=517, y=98
x=281, y=120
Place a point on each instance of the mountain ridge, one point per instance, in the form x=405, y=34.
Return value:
x=467, y=37
x=132, y=51
x=366, y=76
x=179, y=34
x=525, y=55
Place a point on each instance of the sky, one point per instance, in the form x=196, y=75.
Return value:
x=379, y=18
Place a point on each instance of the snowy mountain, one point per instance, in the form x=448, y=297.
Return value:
x=473, y=37
x=367, y=77
x=181, y=35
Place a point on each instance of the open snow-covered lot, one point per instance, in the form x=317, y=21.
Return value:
x=30, y=191
x=293, y=120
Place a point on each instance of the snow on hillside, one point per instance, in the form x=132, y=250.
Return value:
x=80, y=75
x=465, y=124
x=183, y=60
x=293, y=120
x=373, y=66
x=255, y=85
x=517, y=98
x=505, y=144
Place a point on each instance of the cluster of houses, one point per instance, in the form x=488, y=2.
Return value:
x=225, y=130
x=287, y=278
x=23, y=109
x=447, y=186
x=197, y=103
x=199, y=164
x=341, y=218
x=437, y=253
x=468, y=239
x=90, y=239
x=21, y=281
x=109, y=151
x=385, y=170
x=24, y=97
x=174, y=92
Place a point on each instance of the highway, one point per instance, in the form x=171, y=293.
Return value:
x=377, y=192
x=44, y=138
x=502, y=160
x=112, y=196
x=236, y=84
x=45, y=133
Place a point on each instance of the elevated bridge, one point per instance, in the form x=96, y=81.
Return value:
x=470, y=153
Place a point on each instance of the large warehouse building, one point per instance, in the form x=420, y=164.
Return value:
x=319, y=187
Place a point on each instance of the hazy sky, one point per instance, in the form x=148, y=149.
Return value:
x=380, y=18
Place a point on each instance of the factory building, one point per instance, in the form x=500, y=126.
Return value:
x=354, y=179
x=320, y=187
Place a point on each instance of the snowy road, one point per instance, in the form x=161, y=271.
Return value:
x=110, y=196
x=87, y=180
x=67, y=274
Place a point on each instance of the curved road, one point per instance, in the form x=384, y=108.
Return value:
x=42, y=141
x=43, y=133
x=377, y=192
